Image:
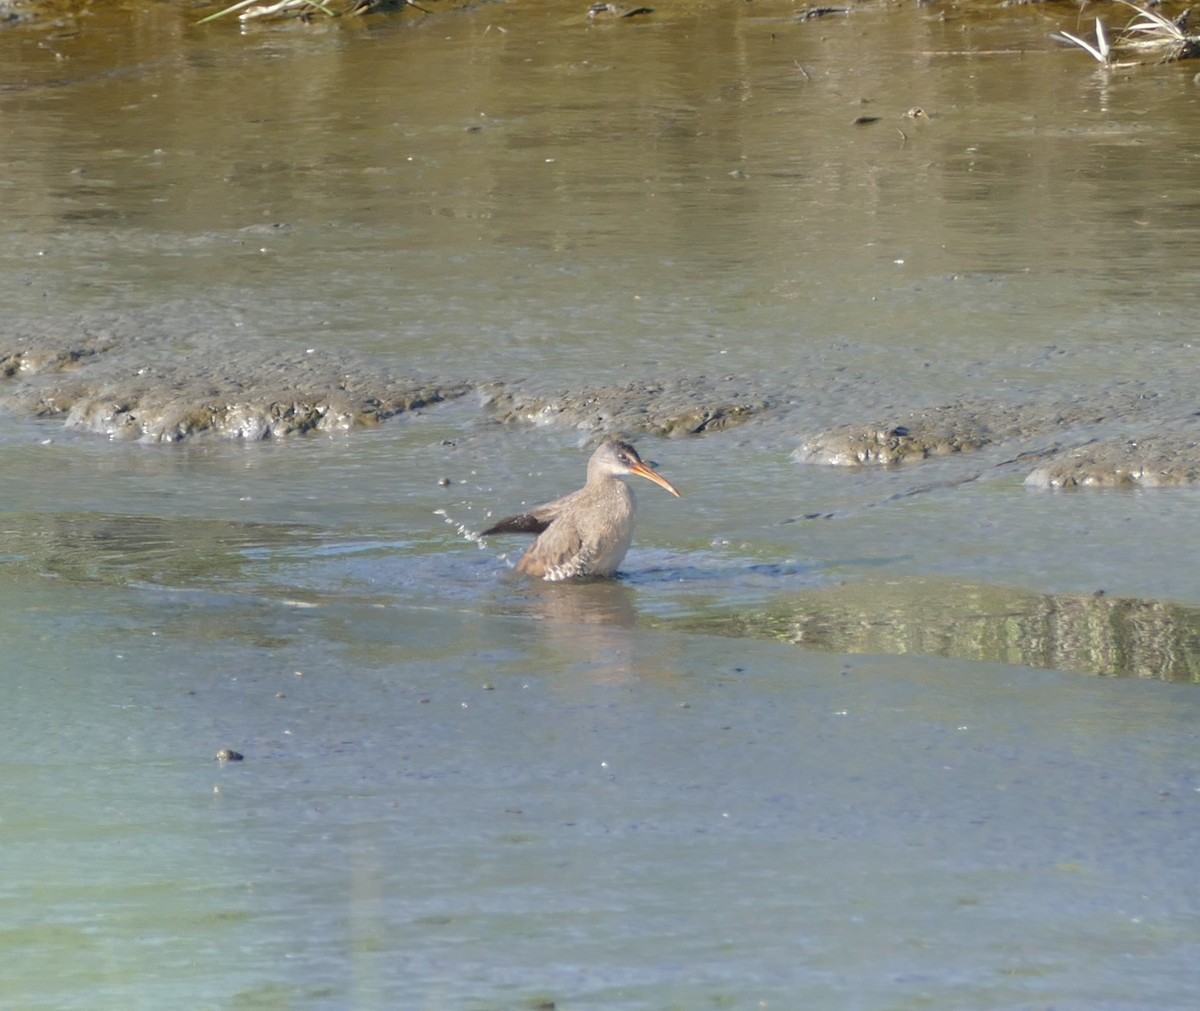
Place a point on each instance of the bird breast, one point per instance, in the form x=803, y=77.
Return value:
x=588, y=538
x=612, y=534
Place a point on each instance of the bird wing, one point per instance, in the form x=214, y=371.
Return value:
x=523, y=523
x=533, y=522
x=577, y=564
x=558, y=554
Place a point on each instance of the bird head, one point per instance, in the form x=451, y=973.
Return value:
x=615, y=458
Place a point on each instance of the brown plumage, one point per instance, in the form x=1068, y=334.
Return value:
x=587, y=532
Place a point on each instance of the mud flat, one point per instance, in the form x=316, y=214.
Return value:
x=961, y=427
x=1157, y=461
x=138, y=393
x=141, y=391
x=152, y=390
x=673, y=408
x=1071, y=442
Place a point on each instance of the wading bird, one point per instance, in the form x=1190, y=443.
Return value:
x=587, y=532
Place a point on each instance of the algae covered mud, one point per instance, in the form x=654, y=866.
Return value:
x=902, y=297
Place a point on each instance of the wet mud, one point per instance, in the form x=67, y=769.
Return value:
x=918, y=435
x=139, y=392
x=1070, y=442
x=145, y=391
x=672, y=408
x=133, y=393
x=1156, y=461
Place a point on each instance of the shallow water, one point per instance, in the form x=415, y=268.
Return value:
x=831, y=741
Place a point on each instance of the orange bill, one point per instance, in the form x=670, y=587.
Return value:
x=642, y=470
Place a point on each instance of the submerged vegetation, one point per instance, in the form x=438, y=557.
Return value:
x=1149, y=37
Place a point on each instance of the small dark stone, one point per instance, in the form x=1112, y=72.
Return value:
x=812, y=13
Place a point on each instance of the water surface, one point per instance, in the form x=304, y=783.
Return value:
x=860, y=761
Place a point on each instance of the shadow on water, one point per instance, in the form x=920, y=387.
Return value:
x=1092, y=633
x=139, y=550
x=1089, y=633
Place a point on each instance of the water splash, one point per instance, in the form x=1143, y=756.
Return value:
x=463, y=531
x=467, y=534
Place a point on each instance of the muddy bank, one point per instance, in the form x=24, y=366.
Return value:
x=148, y=391
x=961, y=427
x=671, y=408
x=1155, y=461
x=127, y=392
x=1069, y=444
x=137, y=391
